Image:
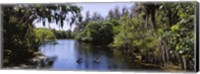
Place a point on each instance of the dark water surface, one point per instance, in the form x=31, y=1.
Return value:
x=91, y=57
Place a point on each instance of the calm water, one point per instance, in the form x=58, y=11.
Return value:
x=69, y=51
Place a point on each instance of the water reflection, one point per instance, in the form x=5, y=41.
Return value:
x=73, y=55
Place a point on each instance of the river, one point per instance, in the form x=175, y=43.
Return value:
x=91, y=57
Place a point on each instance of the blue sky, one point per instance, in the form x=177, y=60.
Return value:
x=101, y=8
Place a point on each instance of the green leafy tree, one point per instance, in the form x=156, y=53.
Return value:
x=18, y=27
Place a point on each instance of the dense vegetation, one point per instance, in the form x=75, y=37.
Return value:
x=20, y=38
x=60, y=34
x=97, y=32
x=43, y=35
x=155, y=33
x=159, y=33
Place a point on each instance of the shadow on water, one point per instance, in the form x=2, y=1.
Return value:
x=74, y=55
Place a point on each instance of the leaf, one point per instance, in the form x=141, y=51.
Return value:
x=161, y=7
x=175, y=27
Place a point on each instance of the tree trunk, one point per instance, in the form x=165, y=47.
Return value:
x=146, y=19
x=184, y=63
x=167, y=55
x=169, y=17
x=166, y=52
x=153, y=19
x=163, y=54
x=160, y=56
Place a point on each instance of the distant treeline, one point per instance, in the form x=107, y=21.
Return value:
x=60, y=34
x=52, y=34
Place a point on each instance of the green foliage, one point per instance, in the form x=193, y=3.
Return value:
x=159, y=31
x=44, y=35
x=63, y=34
x=153, y=29
x=20, y=40
x=166, y=27
x=99, y=32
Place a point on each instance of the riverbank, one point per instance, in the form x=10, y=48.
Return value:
x=164, y=68
x=69, y=51
x=138, y=59
x=40, y=61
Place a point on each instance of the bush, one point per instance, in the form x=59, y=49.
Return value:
x=101, y=32
x=43, y=35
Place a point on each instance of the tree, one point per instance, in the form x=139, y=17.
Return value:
x=18, y=28
x=159, y=38
x=97, y=32
x=110, y=15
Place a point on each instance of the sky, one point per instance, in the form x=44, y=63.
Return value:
x=101, y=8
